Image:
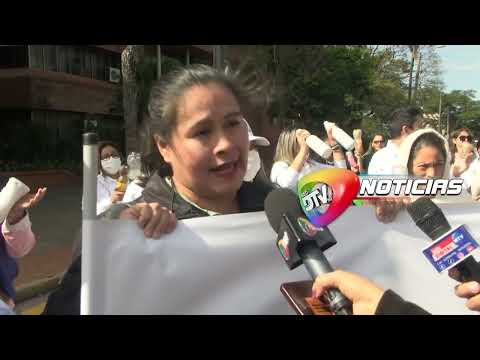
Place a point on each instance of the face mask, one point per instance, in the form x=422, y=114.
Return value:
x=112, y=165
x=253, y=166
x=22, y=242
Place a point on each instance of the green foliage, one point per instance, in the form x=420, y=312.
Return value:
x=328, y=83
x=465, y=108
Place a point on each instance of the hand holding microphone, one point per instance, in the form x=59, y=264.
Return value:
x=469, y=290
x=369, y=299
x=432, y=221
x=364, y=295
x=300, y=242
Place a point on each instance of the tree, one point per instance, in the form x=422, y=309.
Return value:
x=132, y=56
x=466, y=109
x=326, y=83
x=414, y=56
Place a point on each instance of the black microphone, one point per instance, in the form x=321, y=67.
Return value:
x=432, y=221
x=299, y=241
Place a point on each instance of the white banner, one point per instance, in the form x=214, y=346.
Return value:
x=230, y=264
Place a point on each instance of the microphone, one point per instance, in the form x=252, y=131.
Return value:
x=299, y=241
x=432, y=221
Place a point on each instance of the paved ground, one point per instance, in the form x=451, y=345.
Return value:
x=56, y=220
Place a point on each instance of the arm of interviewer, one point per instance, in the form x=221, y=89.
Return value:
x=366, y=297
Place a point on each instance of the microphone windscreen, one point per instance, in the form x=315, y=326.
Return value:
x=428, y=217
x=279, y=202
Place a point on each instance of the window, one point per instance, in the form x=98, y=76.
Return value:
x=87, y=63
x=53, y=139
x=69, y=62
x=15, y=56
x=61, y=58
x=50, y=52
x=13, y=149
x=100, y=66
x=170, y=64
x=111, y=128
x=76, y=60
x=36, y=57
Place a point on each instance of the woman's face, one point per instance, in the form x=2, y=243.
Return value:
x=378, y=142
x=110, y=160
x=208, y=148
x=463, y=137
x=429, y=163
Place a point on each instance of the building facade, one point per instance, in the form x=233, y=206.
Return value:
x=51, y=94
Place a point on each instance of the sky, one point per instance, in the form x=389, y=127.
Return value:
x=461, y=67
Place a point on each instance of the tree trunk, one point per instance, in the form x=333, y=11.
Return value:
x=413, y=49
x=279, y=83
x=131, y=57
x=417, y=76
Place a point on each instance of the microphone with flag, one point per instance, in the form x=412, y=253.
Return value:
x=300, y=242
x=451, y=248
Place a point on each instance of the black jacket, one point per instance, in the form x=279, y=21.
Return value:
x=251, y=197
x=65, y=300
x=392, y=304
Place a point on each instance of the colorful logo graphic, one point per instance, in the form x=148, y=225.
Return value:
x=326, y=194
x=307, y=227
x=282, y=245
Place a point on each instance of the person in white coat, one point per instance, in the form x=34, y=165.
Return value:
x=423, y=154
x=255, y=167
x=110, y=164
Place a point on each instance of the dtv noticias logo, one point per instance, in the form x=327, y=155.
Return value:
x=374, y=187
x=326, y=194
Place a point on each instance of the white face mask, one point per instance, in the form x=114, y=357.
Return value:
x=253, y=166
x=112, y=165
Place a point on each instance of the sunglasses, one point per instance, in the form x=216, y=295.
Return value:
x=379, y=142
x=465, y=138
x=108, y=156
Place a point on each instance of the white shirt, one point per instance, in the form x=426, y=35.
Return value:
x=133, y=192
x=469, y=175
x=385, y=161
x=286, y=177
x=105, y=187
x=5, y=309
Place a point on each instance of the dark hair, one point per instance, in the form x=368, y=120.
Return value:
x=454, y=135
x=165, y=95
x=101, y=146
x=370, y=147
x=403, y=117
x=3, y=182
x=426, y=140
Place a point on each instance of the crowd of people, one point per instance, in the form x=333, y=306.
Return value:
x=209, y=164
